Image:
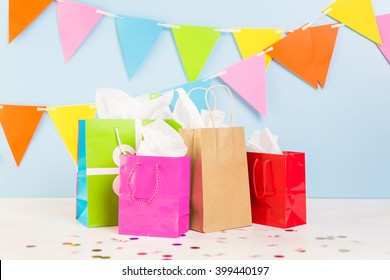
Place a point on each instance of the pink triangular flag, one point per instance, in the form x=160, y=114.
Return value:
x=247, y=78
x=75, y=22
x=383, y=22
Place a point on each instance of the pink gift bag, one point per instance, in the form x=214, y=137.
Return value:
x=154, y=195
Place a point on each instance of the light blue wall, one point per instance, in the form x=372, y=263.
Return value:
x=344, y=129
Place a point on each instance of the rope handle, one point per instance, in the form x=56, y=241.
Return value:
x=205, y=89
x=266, y=163
x=139, y=201
x=231, y=103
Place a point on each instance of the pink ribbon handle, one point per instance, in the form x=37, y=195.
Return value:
x=143, y=202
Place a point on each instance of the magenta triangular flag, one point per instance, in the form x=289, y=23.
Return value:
x=247, y=78
x=75, y=22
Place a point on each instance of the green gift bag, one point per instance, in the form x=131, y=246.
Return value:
x=98, y=166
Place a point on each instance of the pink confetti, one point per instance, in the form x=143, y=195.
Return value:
x=278, y=256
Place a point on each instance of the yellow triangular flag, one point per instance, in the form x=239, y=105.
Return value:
x=66, y=118
x=251, y=41
x=357, y=15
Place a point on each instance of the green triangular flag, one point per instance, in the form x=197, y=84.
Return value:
x=195, y=44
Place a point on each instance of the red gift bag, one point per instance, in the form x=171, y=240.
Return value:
x=278, y=188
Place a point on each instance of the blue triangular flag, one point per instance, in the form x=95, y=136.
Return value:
x=136, y=38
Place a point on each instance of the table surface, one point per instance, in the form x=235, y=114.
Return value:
x=336, y=229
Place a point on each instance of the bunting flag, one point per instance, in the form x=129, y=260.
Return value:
x=384, y=29
x=357, y=15
x=19, y=124
x=22, y=13
x=66, y=120
x=307, y=53
x=136, y=38
x=247, y=78
x=251, y=41
x=296, y=52
x=324, y=39
x=194, y=44
x=75, y=22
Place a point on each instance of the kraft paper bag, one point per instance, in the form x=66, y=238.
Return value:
x=220, y=196
x=98, y=166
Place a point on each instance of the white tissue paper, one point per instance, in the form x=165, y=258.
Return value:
x=116, y=104
x=264, y=142
x=160, y=139
x=218, y=117
x=188, y=116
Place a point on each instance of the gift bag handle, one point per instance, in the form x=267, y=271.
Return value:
x=205, y=89
x=231, y=103
x=142, y=202
x=266, y=165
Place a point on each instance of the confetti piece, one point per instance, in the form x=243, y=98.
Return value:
x=342, y=236
x=176, y=244
x=31, y=246
x=195, y=247
x=142, y=253
x=75, y=244
x=300, y=250
x=290, y=230
x=320, y=238
x=344, y=250
x=167, y=256
x=276, y=235
x=133, y=238
x=119, y=248
x=96, y=250
x=272, y=245
x=101, y=257
x=67, y=243
x=330, y=237
x=278, y=256
x=183, y=235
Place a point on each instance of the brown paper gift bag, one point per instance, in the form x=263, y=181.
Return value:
x=220, y=196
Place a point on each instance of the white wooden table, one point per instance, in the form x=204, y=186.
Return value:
x=337, y=229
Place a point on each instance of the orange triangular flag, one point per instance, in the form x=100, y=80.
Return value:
x=324, y=39
x=22, y=13
x=296, y=52
x=19, y=124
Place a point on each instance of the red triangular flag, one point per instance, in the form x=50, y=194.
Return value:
x=324, y=39
x=247, y=78
x=75, y=22
x=296, y=52
x=19, y=124
x=22, y=13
